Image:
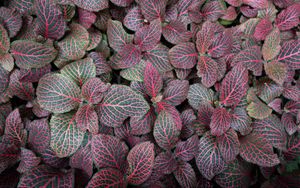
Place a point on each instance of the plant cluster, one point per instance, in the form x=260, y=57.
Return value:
x=149, y=93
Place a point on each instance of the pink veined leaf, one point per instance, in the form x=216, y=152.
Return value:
x=290, y=54
x=99, y=60
x=240, y=121
x=221, y=45
x=164, y=106
x=93, y=89
x=271, y=129
x=107, y=152
x=14, y=132
x=212, y=10
x=86, y=18
x=207, y=71
x=249, y=11
x=293, y=148
x=159, y=57
x=171, y=13
x=175, y=32
x=122, y=3
x=256, y=149
x=283, y=3
x=45, y=175
x=271, y=46
x=68, y=11
x=141, y=160
x=95, y=38
x=185, y=175
x=11, y=20
x=268, y=90
x=287, y=18
x=234, y=86
x=39, y=135
x=220, y=121
x=186, y=150
x=134, y=19
x=4, y=41
x=117, y=36
x=199, y=94
x=56, y=86
x=152, y=80
x=176, y=92
x=28, y=160
x=50, y=20
x=231, y=14
x=263, y=28
x=135, y=73
x=119, y=103
x=183, y=55
x=50, y=158
x=144, y=125
x=205, y=112
x=229, y=145
x=165, y=131
x=108, y=177
x=83, y=159
x=194, y=13
x=251, y=59
x=148, y=36
x=4, y=82
x=259, y=4
x=66, y=137
x=92, y=5
x=87, y=119
x=208, y=159
x=22, y=6
x=34, y=75
x=183, y=6
x=276, y=71
x=165, y=163
x=182, y=74
x=7, y=62
x=235, y=3
x=5, y=110
x=204, y=37
x=289, y=123
x=29, y=54
x=292, y=93
x=276, y=105
x=153, y=9
x=129, y=56
x=258, y=110
x=9, y=155
x=237, y=174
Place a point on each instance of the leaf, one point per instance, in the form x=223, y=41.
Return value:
x=165, y=131
x=66, y=138
x=199, y=94
x=152, y=80
x=92, y=5
x=185, y=175
x=108, y=177
x=259, y=4
x=234, y=86
x=140, y=126
x=50, y=20
x=45, y=175
x=207, y=71
x=220, y=121
x=235, y=3
x=153, y=9
x=93, y=90
x=99, y=60
x=117, y=36
x=7, y=62
x=261, y=151
x=289, y=123
x=221, y=45
x=34, y=75
x=276, y=71
x=186, y=150
x=80, y=71
x=269, y=90
x=4, y=41
x=263, y=28
x=165, y=163
x=175, y=32
x=11, y=20
x=159, y=58
x=50, y=158
x=212, y=10
x=208, y=158
x=229, y=145
x=176, y=92
x=205, y=112
x=119, y=103
x=204, y=37
x=95, y=37
x=287, y=18
x=164, y=106
x=271, y=46
x=148, y=36
x=9, y=155
x=240, y=121
x=5, y=110
x=22, y=6
x=237, y=174
x=39, y=135
x=87, y=119
x=28, y=160
x=292, y=92
x=134, y=18
x=86, y=18
x=57, y=93
x=293, y=147
x=107, y=152
x=271, y=129
x=4, y=81
x=183, y=55
x=258, y=110
x=29, y=54
x=141, y=160
x=290, y=54
x=129, y=56
x=135, y=73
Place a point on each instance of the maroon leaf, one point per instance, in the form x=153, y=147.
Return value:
x=290, y=54
x=220, y=121
x=93, y=89
x=86, y=18
x=292, y=93
x=87, y=119
x=259, y=4
x=213, y=10
x=229, y=145
x=141, y=160
x=129, y=56
x=287, y=18
x=144, y=125
x=50, y=21
x=92, y=5
x=39, y=135
x=175, y=32
x=185, y=175
x=50, y=158
x=186, y=150
x=134, y=18
x=183, y=55
x=164, y=106
x=34, y=75
x=262, y=29
x=102, y=66
x=199, y=94
x=204, y=37
x=234, y=86
x=208, y=159
x=9, y=155
x=293, y=147
x=256, y=149
x=207, y=71
x=289, y=123
x=11, y=20
x=240, y=121
x=108, y=177
x=176, y=92
x=4, y=74
x=153, y=9
x=221, y=45
x=148, y=36
x=28, y=160
x=205, y=112
x=5, y=110
x=152, y=80
x=231, y=14
x=165, y=163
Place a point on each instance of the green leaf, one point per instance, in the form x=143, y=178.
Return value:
x=66, y=138
x=135, y=73
x=4, y=41
x=271, y=46
x=258, y=110
x=276, y=71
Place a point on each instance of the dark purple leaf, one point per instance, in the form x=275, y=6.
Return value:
x=186, y=150
x=176, y=92
x=240, y=121
x=290, y=54
x=263, y=28
x=34, y=75
x=229, y=145
x=221, y=45
x=108, y=177
x=175, y=32
x=144, y=125
x=39, y=135
x=293, y=147
x=9, y=155
x=292, y=93
x=5, y=110
x=220, y=121
x=28, y=160
x=165, y=163
x=204, y=37
x=212, y=10
x=129, y=56
x=4, y=74
x=183, y=55
x=185, y=175
x=86, y=18
x=87, y=119
x=11, y=20
x=22, y=6
x=207, y=70
x=289, y=123
x=152, y=80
